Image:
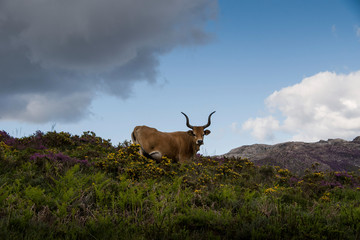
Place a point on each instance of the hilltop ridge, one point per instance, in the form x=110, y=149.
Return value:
x=331, y=155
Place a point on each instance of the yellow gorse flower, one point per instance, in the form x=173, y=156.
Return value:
x=270, y=190
x=325, y=197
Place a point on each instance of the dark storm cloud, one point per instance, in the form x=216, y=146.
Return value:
x=55, y=55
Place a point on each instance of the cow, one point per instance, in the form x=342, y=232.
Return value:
x=178, y=146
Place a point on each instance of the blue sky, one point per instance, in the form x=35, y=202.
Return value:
x=274, y=71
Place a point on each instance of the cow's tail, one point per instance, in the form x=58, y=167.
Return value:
x=135, y=140
x=133, y=136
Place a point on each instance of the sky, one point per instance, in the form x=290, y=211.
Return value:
x=273, y=71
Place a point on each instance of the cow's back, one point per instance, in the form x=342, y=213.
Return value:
x=151, y=140
x=174, y=145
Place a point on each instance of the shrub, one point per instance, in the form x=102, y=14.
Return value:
x=55, y=185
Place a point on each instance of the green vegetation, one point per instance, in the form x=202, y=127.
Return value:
x=59, y=186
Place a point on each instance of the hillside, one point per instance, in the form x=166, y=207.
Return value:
x=63, y=186
x=330, y=155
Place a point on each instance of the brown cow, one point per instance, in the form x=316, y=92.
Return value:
x=179, y=146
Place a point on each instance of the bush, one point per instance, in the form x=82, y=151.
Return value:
x=58, y=186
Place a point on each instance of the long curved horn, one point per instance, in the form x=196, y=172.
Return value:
x=209, y=121
x=187, y=121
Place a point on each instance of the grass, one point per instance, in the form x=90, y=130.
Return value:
x=60, y=186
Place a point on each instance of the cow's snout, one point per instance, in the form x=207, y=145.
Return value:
x=199, y=142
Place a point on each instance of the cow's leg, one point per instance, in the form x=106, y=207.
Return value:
x=183, y=159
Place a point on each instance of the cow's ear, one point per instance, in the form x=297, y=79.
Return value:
x=207, y=132
x=191, y=133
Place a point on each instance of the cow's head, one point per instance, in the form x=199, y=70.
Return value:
x=198, y=132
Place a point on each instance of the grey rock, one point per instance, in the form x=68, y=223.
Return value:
x=331, y=155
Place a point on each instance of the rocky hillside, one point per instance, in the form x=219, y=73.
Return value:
x=333, y=154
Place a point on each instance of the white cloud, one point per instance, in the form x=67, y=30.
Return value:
x=333, y=30
x=262, y=128
x=357, y=30
x=234, y=127
x=322, y=106
x=58, y=51
x=49, y=106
